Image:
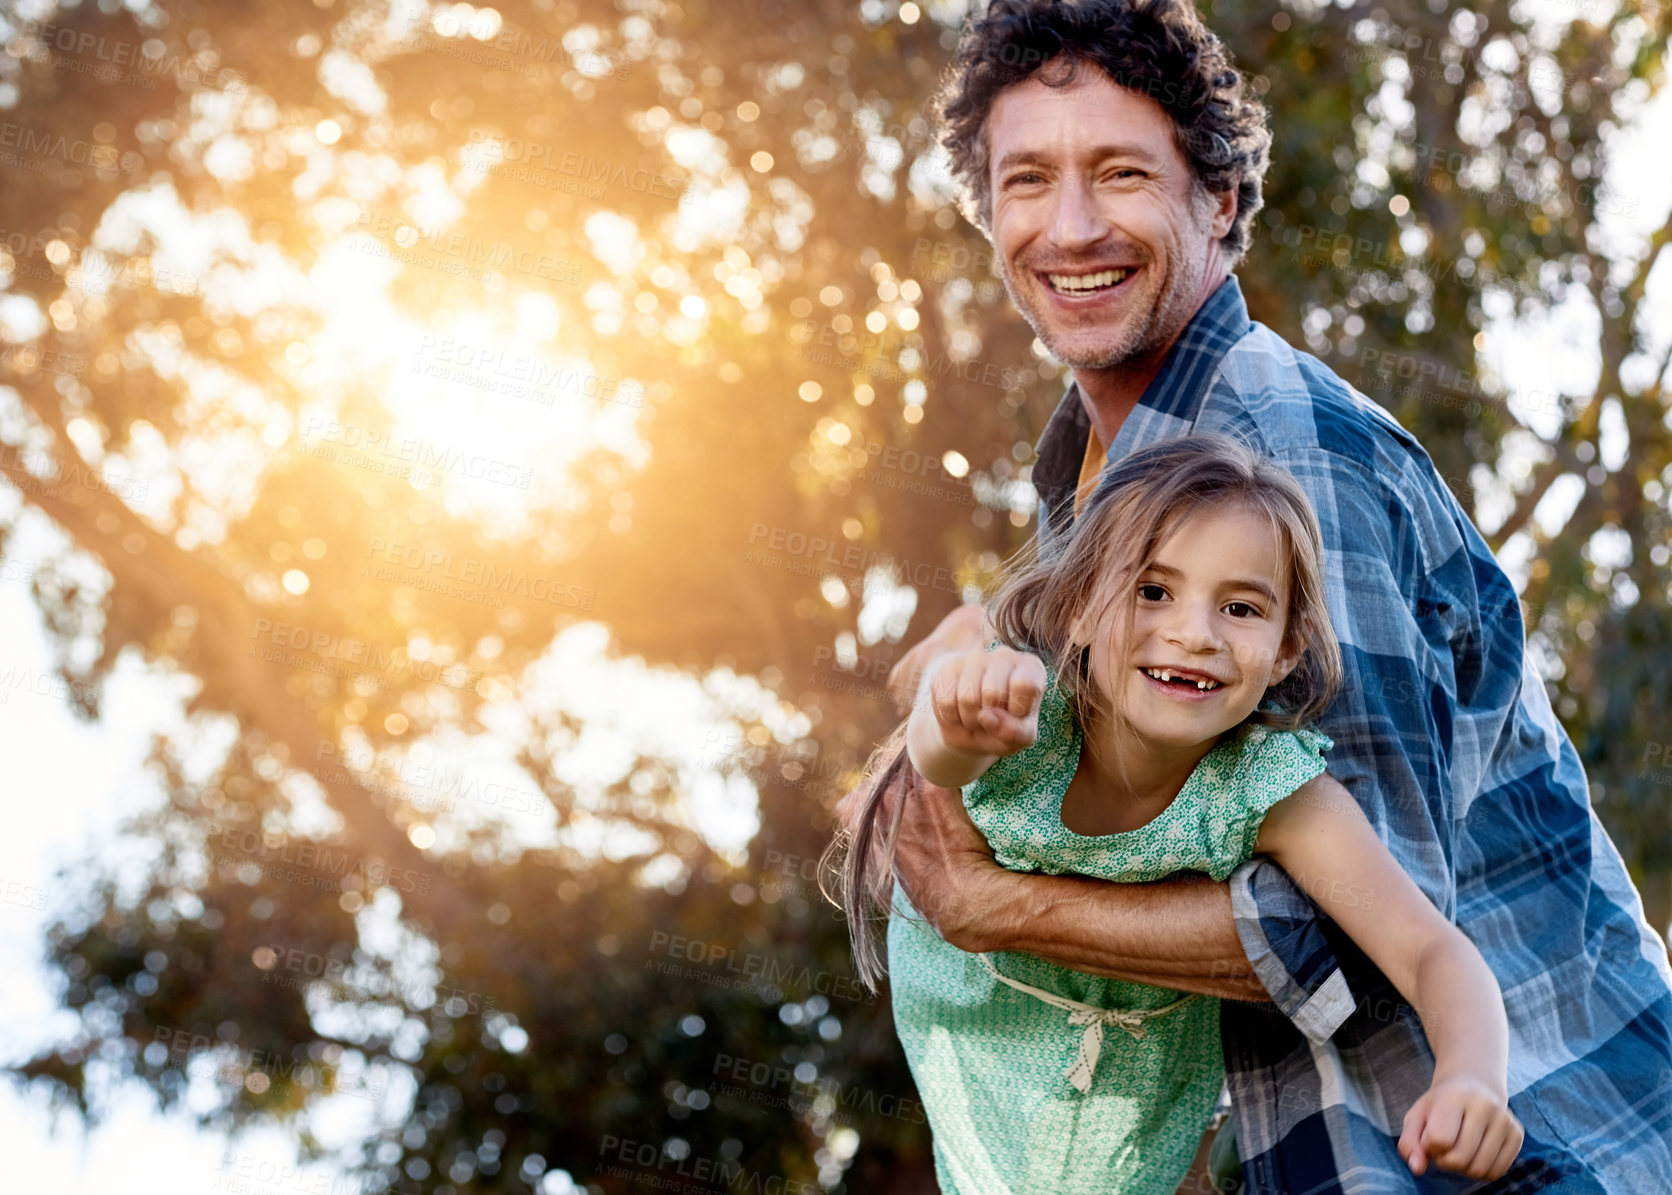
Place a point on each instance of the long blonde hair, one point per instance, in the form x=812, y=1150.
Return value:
x=1049, y=603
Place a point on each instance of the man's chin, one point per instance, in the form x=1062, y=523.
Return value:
x=1089, y=346
x=1127, y=331
x=1092, y=355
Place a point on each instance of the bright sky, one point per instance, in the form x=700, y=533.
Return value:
x=68, y=780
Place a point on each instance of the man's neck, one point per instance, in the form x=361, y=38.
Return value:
x=1109, y=395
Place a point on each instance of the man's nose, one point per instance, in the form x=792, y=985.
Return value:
x=1079, y=223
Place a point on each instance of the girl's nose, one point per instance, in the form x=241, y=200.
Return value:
x=1192, y=627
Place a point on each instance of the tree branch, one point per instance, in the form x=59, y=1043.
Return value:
x=235, y=677
x=1544, y=476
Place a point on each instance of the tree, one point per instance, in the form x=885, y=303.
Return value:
x=790, y=413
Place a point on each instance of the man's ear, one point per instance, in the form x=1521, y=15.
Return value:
x=1225, y=209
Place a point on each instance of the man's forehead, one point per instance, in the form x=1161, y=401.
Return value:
x=1029, y=155
x=1089, y=117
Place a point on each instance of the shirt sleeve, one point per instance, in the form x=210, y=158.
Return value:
x=1409, y=624
x=1282, y=934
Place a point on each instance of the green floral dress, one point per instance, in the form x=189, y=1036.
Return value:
x=1021, y=1094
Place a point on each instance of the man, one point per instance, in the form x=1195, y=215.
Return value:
x=1107, y=150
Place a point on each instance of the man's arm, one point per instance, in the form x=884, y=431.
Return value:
x=1175, y=933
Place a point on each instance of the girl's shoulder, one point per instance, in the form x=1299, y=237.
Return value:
x=1256, y=738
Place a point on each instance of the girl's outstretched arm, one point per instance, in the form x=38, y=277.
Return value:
x=1320, y=836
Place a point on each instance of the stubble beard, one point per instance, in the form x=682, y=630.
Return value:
x=1159, y=317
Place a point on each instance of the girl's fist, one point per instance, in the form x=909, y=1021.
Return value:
x=987, y=702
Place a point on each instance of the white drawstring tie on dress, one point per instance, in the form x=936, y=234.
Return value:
x=1080, y=1071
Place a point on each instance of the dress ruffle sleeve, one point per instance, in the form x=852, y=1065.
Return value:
x=1272, y=765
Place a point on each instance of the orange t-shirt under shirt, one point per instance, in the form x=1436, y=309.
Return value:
x=1091, y=468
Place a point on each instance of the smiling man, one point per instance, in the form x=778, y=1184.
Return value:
x=1109, y=153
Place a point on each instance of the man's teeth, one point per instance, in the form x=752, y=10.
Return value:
x=1166, y=674
x=1087, y=281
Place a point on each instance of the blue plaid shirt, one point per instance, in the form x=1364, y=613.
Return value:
x=1445, y=736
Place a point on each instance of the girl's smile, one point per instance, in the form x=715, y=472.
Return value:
x=1182, y=684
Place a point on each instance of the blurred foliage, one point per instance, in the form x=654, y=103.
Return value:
x=822, y=352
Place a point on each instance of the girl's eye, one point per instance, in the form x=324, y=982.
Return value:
x=1246, y=611
x=1151, y=593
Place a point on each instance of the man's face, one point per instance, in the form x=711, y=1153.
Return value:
x=1101, y=230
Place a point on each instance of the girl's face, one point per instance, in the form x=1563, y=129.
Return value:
x=1209, y=618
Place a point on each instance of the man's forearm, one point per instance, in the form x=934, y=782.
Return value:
x=1176, y=933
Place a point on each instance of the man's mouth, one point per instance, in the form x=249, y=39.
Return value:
x=1087, y=284
x=1183, y=680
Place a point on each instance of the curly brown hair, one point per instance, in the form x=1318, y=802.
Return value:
x=1157, y=48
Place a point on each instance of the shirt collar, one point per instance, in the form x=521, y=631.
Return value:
x=1178, y=391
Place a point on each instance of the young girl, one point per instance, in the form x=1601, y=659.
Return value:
x=1147, y=713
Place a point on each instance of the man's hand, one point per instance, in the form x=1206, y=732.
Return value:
x=1461, y=1124
x=944, y=862
x=946, y=866
x=964, y=628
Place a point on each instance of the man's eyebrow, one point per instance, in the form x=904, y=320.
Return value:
x=1259, y=587
x=1028, y=157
